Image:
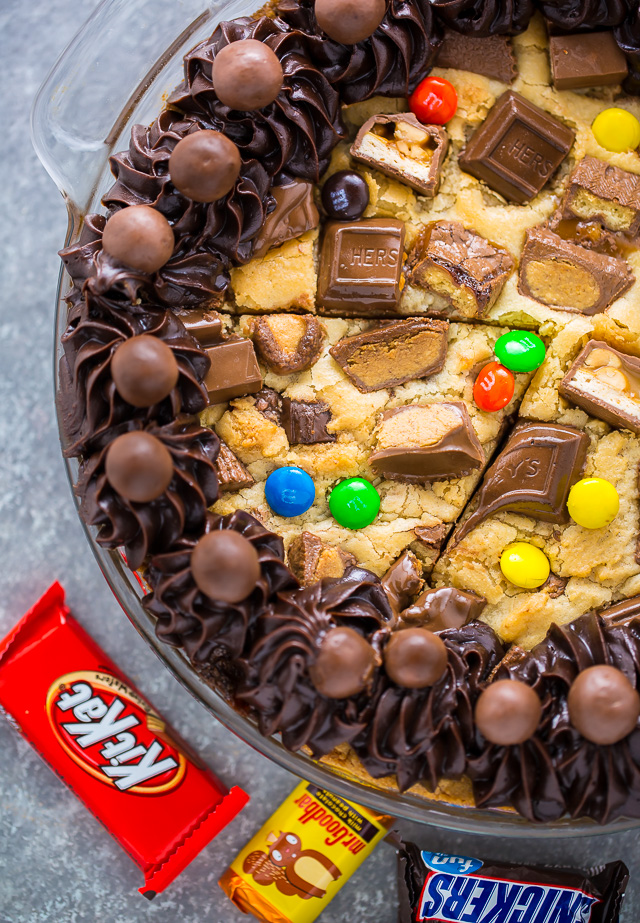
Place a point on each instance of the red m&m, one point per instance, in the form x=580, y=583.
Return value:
x=493, y=388
x=434, y=101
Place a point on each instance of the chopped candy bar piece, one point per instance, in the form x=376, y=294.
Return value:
x=234, y=370
x=492, y=56
x=605, y=383
x=599, y=191
x=312, y=560
x=288, y=342
x=232, y=474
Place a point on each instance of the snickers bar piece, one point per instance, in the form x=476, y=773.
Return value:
x=393, y=354
x=490, y=56
x=234, y=370
x=589, y=59
x=532, y=475
x=360, y=267
x=606, y=384
x=305, y=423
x=517, y=149
x=404, y=148
x=598, y=191
x=294, y=213
x=563, y=275
x=426, y=442
x=232, y=474
x=312, y=560
x=462, y=270
x=288, y=343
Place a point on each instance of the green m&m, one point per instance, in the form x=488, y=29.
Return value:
x=520, y=351
x=354, y=503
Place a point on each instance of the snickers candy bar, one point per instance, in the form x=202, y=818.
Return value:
x=563, y=275
x=532, y=475
x=517, y=149
x=311, y=559
x=590, y=59
x=288, y=343
x=234, y=370
x=433, y=887
x=606, y=384
x=462, y=271
x=232, y=474
x=305, y=423
x=445, y=608
x=491, y=56
x=598, y=191
x=294, y=213
x=360, y=267
x=392, y=354
x=426, y=442
x=404, y=148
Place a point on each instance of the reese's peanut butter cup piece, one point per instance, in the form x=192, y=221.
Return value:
x=288, y=343
x=606, y=384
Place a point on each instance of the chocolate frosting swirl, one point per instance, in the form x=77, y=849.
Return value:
x=298, y=131
x=485, y=17
x=627, y=35
x=583, y=16
x=151, y=528
x=208, y=629
x=389, y=63
x=421, y=735
x=286, y=642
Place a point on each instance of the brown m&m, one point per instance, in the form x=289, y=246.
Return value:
x=415, y=658
x=344, y=664
x=246, y=75
x=508, y=712
x=345, y=196
x=225, y=566
x=205, y=165
x=138, y=467
x=144, y=370
x=603, y=705
x=349, y=21
x=140, y=237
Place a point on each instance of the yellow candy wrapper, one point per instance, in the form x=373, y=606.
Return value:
x=301, y=857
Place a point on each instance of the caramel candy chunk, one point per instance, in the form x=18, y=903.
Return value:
x=288, y=342
x=426, y=442
x=517, y=149
x=234, y=370
x=294, y=213
x=269, y=403
x=464, y=271
x=492, y=56
x=605, y=383
x=393, y=354
x=360, y=267
x=532, y=475
x=312, y=560
x=563, y=275
x=306, y=423
x=232, y=474
x=404, y=148
x=403, y=581
x=445, y=608
x=589, y=59
x=205, y=326
x=599, y=191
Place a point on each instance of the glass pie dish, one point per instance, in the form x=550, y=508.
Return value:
x=117, y=72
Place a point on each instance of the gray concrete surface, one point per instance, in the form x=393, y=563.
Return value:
x=57, y=865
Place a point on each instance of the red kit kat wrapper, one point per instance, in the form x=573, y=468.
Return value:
x=95, y=730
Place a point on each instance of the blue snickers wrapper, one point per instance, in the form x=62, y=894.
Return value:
x=437, y=888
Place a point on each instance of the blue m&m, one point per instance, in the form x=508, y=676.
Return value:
x=289, y=491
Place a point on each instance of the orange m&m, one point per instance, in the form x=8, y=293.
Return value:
x=493, y=388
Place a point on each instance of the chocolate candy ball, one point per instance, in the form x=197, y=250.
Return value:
x=508, y=712
x=144, y=370
x=205, y=165
x=415, y=658
x=138, y=467
x=344, y=664
x=603, y=705
x=246, y=75
x=345, y=196
x=225, y=566
x=139, y=237
x=349, y=21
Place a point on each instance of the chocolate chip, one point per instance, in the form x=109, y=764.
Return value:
x=205, y=165
x=144, y=370
x=246, y=75
x=138, y=467
x=225, y=566
x=139, y=237
x=508, y=712
x=345, y=196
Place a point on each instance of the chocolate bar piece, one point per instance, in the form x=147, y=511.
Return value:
x=492, y=56
x=269, y=403
x=426, y=442
x=234, y=370
x=605, y=383
x=205, y=326
x=599, y=191
x=517, y=149
x=393, y=354
x=404, y=148
x=312, y=560
x=532, y=474
x=429, y=542
x=622, y=613
x=463, y=271
x=589, y=59
x=288, y=342
x=445, y=608
x=294, y=213
x=232, y=474
x=403, y=581
x=360, y=267
x=563, y=275
x=306, y=423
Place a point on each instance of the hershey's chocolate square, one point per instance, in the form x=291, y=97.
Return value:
x=517, y=149
x=360, y=267
x=491, y=55
x=591, y=59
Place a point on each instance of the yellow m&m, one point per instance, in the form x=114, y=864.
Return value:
x=524, y=565
x=616, y=130
x=593, y=503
